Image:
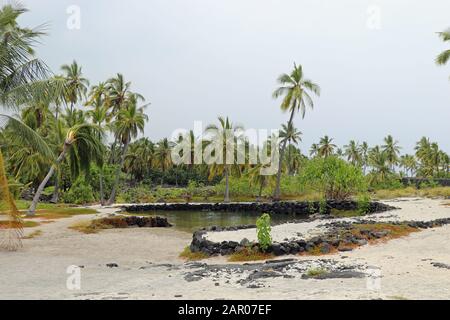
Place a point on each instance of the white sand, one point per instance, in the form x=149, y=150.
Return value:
x=38, y=271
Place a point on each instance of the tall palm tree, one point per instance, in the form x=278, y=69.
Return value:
x=314, y=150
x=444, y=56
x=222, y=134
x=128, y=123
x=294, y=88
x=22, y=80
x=76, y=85
x=353, y=152
x=364, y=151
x=292, y=136
x=392, y=150
x=326, y=147
x=163, y=155
x=83, y=145
x=380, y=167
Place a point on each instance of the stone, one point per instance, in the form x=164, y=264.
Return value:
x=112, y=265
x=244, y=242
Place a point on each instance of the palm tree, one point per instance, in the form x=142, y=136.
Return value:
x=314, y=150
x=392, y=150
x=379, y=162
x=140, y=158
x=82, y=140
x=353, y=152
x=22, y=80
x=128, y=123
x=326, y=147
x=364, y=150
x=291, y=135
x=223, y=165
x=444, y=56
x=163, y=155
x=76, y=84
x=294, y=88
x=408, y=162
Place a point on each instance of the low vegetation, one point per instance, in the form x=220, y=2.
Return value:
x=192, y=256
x=249, y=254
x=33, y=234
x=14, y=225
x=316, y=272
x=263, y=230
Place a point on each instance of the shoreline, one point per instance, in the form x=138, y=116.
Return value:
x=148, y=266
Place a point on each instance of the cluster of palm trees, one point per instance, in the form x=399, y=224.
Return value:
x=59, y=125
x=428, y=161
x=63, y=123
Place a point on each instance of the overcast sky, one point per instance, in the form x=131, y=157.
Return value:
x=197, y=59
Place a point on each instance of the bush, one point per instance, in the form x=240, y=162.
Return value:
x=80, y=193
x=263, y=231
x=363, y=203
x=333, y=177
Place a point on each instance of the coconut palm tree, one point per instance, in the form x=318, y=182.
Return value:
x=295, y=90
x=364, y=150
x=76, y=85
x=127, y=125
x=226, y=136
x=314, y=150
x=444, y=56
x=163, y=158
x=392, y=150
x=82, y=145
x=408, y=162
x=292, y=136
x=326, y=147
x=378, y=160
x=353, y=152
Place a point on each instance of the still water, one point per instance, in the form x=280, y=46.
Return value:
x=191, y=221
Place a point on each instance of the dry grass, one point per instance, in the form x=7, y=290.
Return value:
x=61, y=212
x=188, y=255
x=14, y=225
x=394, y=231
x=248, y=254
x=413, y=192
x=33, y=234
x=89, y=226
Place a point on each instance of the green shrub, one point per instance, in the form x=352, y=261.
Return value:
x=363, y=203
x=333, y=177
x=263, y=231
x=80, y=193
x=323, y=206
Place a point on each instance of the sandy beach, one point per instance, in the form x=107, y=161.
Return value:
x=144, y=264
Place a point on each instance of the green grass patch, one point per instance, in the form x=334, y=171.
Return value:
x=316, y=272
x=192, y=256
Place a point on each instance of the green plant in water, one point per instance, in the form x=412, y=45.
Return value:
x=263, y=231
x=363, y=203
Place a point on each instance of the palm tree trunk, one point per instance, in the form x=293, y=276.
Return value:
x=112, y=198
x=55, y=196
x=289, y=159
x=276, y=195
x=227, y=185
x=102, y=193
x=32, y=210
